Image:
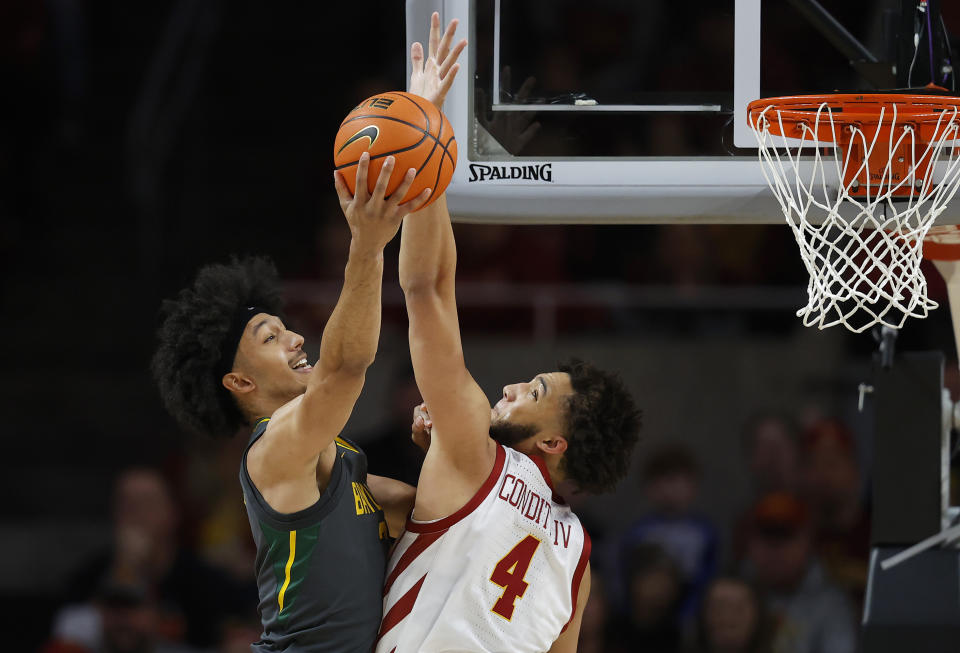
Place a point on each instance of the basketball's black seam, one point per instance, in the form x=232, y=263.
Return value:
x=404, y=122
x=385, y=154
x=426, y=131
x=405, y=149
x=429, y=156
x=417, y=104
x=446, y=152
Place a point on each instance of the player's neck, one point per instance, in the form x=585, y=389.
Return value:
x=554, y=467
x=256, y=408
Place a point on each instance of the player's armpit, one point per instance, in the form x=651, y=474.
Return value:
x=395, y=497
x=567, y=642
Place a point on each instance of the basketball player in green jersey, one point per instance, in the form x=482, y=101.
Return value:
x=227, y=360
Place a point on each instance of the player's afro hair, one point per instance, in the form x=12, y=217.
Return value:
x=602, y=425
x=194, y=326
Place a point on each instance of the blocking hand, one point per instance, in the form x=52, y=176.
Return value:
x=432, y=78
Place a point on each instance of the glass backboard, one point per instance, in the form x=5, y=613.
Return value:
x=625, y=111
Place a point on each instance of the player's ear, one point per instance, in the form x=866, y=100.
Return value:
x=554, y=444
x=239, y=383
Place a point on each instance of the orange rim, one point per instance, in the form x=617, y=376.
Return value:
x=852, y=108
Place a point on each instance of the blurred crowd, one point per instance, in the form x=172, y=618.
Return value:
x=794, y=576
x=786, y=576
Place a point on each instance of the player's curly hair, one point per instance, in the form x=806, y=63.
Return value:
x=601, y=424
x=195, y=323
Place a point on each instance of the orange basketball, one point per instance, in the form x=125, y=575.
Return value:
x=406, y=126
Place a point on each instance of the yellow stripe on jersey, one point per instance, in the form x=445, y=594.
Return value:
x=286, y=582
x=346, y=445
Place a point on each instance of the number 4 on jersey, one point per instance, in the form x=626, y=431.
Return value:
x=509, y=574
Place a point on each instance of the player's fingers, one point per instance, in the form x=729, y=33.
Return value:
x=342, y=191
x=449, y=61
x=444, y=47
x=380, y=190
x=401, y=190
x=447, y=81
x=416, y=56
x=417, y=202
x=363, y=166
x=434, y=34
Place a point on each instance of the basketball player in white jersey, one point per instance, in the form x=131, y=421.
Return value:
x=492, y=559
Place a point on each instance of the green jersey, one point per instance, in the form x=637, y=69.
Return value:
x=320, y=570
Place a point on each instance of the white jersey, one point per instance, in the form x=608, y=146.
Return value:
x=500, y=574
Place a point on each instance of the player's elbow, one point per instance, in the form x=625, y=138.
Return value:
x=420, y=292
x=418, y=286
x=357, y=364
x=427, y=288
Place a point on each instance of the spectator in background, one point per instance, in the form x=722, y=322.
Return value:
x=655, y=590
x=124, y=619
x=671, y=483
x=811, y=614
x=772, y=455
x=189, y=599
x=833, y=486
x=732, y=619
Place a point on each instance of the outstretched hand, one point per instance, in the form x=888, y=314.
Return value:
x=432, y=78
x=374, y=218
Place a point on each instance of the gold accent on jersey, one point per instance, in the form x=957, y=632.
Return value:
x=363, y=499
x=286, y=582
x=346, y=445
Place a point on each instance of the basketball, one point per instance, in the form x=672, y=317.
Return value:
x=403, y=125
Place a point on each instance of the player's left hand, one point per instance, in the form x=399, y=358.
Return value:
x=432, y=78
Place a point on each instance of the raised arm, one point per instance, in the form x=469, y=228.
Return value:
x=458, y=408
x=302, y=429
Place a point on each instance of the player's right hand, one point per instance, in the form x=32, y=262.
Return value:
x=374, y=218
x=422, y=427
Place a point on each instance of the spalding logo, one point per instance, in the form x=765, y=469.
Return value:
x=535, y=172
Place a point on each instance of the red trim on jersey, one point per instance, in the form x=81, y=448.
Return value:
x=578, y=575
x=542, y=466
x=471, y=505
x=413, y=551
x=400, y=609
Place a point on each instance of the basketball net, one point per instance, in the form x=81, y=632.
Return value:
x=861, y=240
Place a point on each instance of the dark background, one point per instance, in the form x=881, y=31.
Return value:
x=139, y=141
